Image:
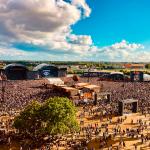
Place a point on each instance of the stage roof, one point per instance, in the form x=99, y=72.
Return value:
x=129, y=100
x=14, y=65
x=40, y=66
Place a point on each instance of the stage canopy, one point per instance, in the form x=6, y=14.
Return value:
x=16, y=72
x=49, y=70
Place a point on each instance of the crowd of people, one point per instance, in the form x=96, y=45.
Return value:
x=101, y=130
x=18, y=94
x=125, y=90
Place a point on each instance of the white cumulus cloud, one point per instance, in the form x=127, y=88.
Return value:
x=123, y=51
x=46, y=26
x=82, y=4
x=44, y=23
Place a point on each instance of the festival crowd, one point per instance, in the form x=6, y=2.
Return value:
x=19, y=94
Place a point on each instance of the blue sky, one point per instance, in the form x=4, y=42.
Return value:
x=75, y=30
x=114, y=20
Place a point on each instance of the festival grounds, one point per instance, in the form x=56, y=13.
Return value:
x=100, y=129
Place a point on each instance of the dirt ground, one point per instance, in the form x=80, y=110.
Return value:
x=94, y=143
x=128, y=141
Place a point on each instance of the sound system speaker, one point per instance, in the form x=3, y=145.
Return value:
x=95, y=99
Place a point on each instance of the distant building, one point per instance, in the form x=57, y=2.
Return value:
x=134, y=66
x=2, y=64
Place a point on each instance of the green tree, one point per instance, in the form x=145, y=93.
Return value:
x=55, y=116
x=28, y=122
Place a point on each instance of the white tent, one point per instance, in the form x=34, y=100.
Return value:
x=146, y=77
x=55, y=81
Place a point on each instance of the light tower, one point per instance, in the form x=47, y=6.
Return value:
x=3, y=81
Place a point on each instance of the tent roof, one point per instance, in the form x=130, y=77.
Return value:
x=40, y=66
x=129, y=100
x=121, y=73
x=14, y=65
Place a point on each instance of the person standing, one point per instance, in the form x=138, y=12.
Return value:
x=135, y=146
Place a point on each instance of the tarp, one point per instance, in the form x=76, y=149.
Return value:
x=55, y=81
